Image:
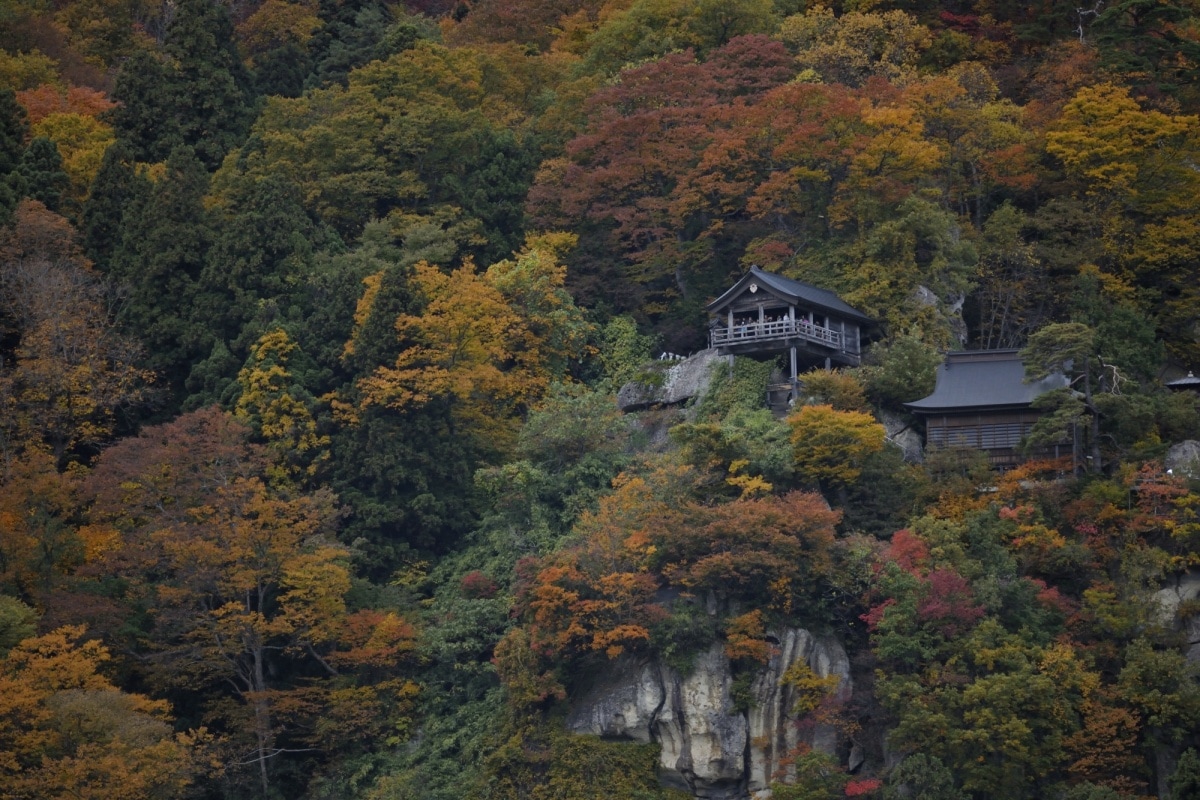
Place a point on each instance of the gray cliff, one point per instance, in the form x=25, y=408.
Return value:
x=710, y=748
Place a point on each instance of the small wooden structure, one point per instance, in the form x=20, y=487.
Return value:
x=982, y=401
x=764, y=313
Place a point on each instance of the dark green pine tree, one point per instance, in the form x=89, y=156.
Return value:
x=164, y=242
x=209, y=90
x=13, y=129
x=349, y=37
x=404, y=478
x=213, y=381
x=101, y=220
x=253, y=280
x=281, y=72
x=492, y=186
x=1143, y=40
x=199, y=95
x=143, y=119
x=41, y=173
x=263, y=250
x=1185, y=782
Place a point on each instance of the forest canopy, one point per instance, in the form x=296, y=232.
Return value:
x=313, y=312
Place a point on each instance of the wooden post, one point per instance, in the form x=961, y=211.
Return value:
x=795, y=388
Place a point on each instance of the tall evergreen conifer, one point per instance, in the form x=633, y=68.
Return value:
x=41, y=173
x=114, y=187
x=13, y=129
x=200, y=96
x=165, y=240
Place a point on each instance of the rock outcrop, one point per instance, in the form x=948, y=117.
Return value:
x=710, y=748
x=1183, y=588
x=1184, y=458
x=901, y=433
x=949, y=308
x=669, y=383
x=773, y=732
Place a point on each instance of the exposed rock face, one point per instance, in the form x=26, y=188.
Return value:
x=772, y=724
x=1183, y=588
x=681, y=381
x=709, y=748
x=949, y=308
x=1184, y=458
x=703, y=737
x=624, y=706
x=903, y=435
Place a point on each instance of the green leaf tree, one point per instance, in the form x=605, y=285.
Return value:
x=921, y=777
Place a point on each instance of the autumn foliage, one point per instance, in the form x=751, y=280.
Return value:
x=604, y=593
x=312, y=483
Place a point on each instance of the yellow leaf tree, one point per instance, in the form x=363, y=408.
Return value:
x=491, y=344
x=275, y=407
x=830, y=445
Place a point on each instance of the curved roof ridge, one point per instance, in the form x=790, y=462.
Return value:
x=797, y=291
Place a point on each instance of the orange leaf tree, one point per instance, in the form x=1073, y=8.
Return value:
x=243, y=589
x=66, y=731
x=602, y=594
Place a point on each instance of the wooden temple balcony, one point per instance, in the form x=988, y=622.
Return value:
x=779, y=332
x=764, y=314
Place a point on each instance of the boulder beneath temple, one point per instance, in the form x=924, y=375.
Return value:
x=669, y=382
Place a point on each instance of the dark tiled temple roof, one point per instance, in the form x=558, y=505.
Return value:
x=980, y=380
x=1190, y=382
x=796, y=292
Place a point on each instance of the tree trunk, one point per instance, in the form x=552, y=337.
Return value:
x=262, y=720
x=1094, y=432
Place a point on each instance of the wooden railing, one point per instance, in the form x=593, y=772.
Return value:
x=761, y=331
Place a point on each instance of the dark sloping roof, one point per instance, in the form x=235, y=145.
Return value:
x=796, y=292
x=1189, y=382
x=980, y=380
